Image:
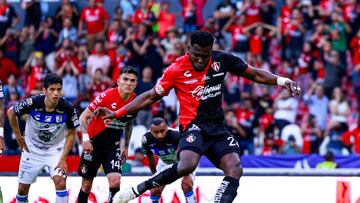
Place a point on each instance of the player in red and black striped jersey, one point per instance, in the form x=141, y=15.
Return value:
x=106, y=141
x=198, y=80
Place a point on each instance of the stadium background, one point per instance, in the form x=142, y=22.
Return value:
x=319, y=48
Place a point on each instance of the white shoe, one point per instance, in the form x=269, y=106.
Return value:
x=124, y=196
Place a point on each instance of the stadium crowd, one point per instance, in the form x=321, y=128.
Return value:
x=313, y=42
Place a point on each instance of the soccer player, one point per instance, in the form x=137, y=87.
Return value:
x=101, y=137
x=2, y=107
x=50, y=130
x=198, y=80
x=163, y=142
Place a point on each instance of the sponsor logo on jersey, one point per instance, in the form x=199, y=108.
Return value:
x=187, y=73
x=190, y=138
x=216, y=66
x=190, y=81
x=194, y=128
x=58, y=119
x=83, y=169
x=113, y=105
x=205, y=78
x=203, y=93
x=218, y=74
x=114, y=124
x=159, y=89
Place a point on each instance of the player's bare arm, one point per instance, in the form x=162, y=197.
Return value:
x=67, y=148
x=152, y=162
x=142, y=101
x=14, y=123
x=265, y=77
x=124, y=149
x=2, y=145
x=84, y=123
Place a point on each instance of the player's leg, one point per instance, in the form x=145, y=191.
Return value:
x=155, y=194
x=224, y=153
x=187, y=184
x=30, y=166
x=191, y=150
x=59, y=178
x=112, y=168
x=88, y=168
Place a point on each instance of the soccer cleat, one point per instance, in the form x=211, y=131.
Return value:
x=124, y=196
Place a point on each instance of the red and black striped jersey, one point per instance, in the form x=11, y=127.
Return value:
x=200, y=93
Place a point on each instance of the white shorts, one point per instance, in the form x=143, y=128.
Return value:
x=162, y=166
x=32, y=164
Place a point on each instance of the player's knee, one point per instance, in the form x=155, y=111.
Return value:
x=186, y=167
x=234, y=170
x=86, y=186
x=156, y=191
x=60, y=182
x=187, y=185
x=114, y=182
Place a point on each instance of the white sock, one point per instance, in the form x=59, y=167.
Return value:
x=22, y=199
x=190, y=197
x=61, y=196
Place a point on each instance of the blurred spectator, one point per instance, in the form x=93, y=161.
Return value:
x=8, y=17
x=67, y=31
x=138, y=159
x=27, y=40
x=252, y=11
x=166, y=19
x=11, y=45
x=98, y=60
x=146, y=83
x=66, y=11
x=333, y=72
x=144, y=14
x=12, y=88
x=351, y=138
x=36, y=70
x=317, y=103
x=285, y=110
x=313, y=135
x=224, y=11
x=189, y=16
x=290, y=147
x=127, y=7
x=339, y=110
x=7, y=68
x=233, y=126
x=304, y=67
x=199, y=5
x=98, y=83
x=45, y=37
x=32, y=13
x=328, y=163
x=67, y=55
x=69, y=72
x=294, y=36
x=97, y=22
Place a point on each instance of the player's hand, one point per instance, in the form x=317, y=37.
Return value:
x=21, y=142
x=123, y=155
x=292, y=88
x=61, y=169
x=87, y=147
x=104, y=112
x=1, y=145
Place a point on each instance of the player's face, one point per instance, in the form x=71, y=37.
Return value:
x=53, y=92
x=159, y=131
x=127, y=82
x=199, y=56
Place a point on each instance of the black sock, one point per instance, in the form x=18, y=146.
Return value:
x=226, y=193
x=83, y=197
x=112, y=192
x=165, y=177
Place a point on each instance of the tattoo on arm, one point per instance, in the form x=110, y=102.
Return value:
x=128, y=131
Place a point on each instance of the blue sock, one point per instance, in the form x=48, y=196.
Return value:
x=155, y=199
x=190, y=197
x=61, y=196
x=21, y=198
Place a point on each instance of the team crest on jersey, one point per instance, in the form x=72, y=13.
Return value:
x=190, y=138
x=159, y=89
x=58, y=119
x=29, y=101
x=216, y=66
x=83, y=169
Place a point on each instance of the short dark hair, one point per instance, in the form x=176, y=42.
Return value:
x=51, y=79
x=157, y=121
x=129, y=69
x=202, y=38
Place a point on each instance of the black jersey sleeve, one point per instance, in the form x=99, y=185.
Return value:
x=73, y=118
x=26, y=105
x=234, y=64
